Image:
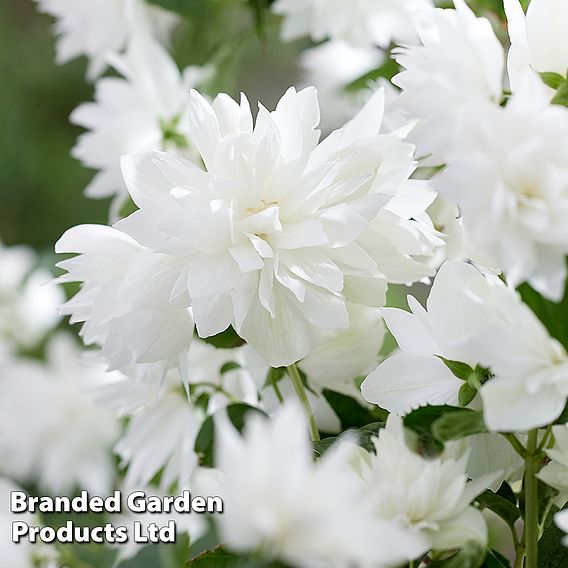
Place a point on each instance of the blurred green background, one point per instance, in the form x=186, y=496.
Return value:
x=41, y=185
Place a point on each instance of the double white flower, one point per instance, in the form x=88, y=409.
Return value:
x=313, y=514
x=274, y=236
x=431, y=496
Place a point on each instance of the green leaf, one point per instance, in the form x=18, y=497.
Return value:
x=350, y=412
x=466, y=394
x=205, y=441
x=388, y=71
x=553, y=80
x=274, y=375
x=457, y=425
x=365, y=437
x=230, y=366
x=225, y=340
x=496, y=560
x=552, y=315
x=551, y=552
x=421, y=421
x=472, y=555
x=509, y=512
x=563, y=418
x=561, y=96
x=461, y=370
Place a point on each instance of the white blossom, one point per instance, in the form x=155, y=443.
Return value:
x=561, y=520
x=143, y=110
x=459, y=63
x=431, y=496
x=272, y=237
x=539, y=40
x=51, y=431
x=278, y=500
x=99, y=28
x=28, y=299
x=474, y=319
x=508, y=178
x=362, y=22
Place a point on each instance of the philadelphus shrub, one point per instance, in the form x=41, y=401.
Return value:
x=252, y=295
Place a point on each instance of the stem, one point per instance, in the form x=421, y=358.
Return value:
x=517, y=446
x=304, y=401
x=531, y=502
x=520, y=556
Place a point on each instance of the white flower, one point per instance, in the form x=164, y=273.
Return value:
x=555, y=472
x=142, y=110
x=50, y=430
x=432, y=496
x=561, y=520
x=508, y=176
x=459, y=63
x=125, y=300
x=23, y=554
x=277, y=499
x=361, y=22
x=28, y=299
x=538, y=41
x=272, y=237
x=161, y=437
x=98, y=28
x=474, y=319
x=331, y=67
x=163, y=421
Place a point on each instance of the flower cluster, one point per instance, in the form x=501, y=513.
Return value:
x=248, y=292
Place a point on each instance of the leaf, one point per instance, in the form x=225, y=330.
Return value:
x=461, y=370
x=466, y=394
x=365, y=437
x=507, y=493
x=563, y=418
x=471, y=555
x=457, y=425
x=350, y=412
x=421, y=420
x=552, y=315
x=496, y=560
x=205, y=441
x=509, y=512
x=225, y=340
x=230, y=366
x=553, y=80
x=561, y=96
x=551, y=552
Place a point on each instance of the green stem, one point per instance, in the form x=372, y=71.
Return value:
x=304, y=401
x=517, y=446
x=531, y=502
